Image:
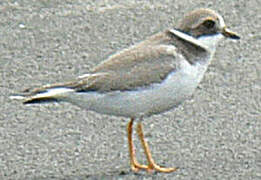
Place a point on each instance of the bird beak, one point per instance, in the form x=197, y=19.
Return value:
x=229, y=34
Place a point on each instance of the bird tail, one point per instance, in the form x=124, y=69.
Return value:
x=42, y=96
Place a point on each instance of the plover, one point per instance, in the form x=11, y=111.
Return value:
x=148, y=78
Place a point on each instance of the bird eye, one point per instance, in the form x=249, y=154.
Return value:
x=209, y=23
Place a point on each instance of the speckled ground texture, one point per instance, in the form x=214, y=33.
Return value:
x=215, y=135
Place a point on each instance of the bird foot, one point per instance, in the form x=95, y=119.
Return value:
x=151, y=167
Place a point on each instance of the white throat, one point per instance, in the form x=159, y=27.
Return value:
x=211, y=41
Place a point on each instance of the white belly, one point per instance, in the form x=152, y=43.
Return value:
x=147, y=101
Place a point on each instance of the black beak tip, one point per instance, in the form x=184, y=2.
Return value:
x=234, y=36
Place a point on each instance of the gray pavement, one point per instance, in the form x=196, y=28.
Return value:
x=215, y=135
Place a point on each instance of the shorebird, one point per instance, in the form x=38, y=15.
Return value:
x=148, y=78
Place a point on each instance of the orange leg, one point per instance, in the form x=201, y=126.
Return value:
x=135, y=166
x=151, y=164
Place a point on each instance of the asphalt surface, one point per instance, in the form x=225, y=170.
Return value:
x=215, y=135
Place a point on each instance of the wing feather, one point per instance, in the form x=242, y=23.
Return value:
x=140, y=65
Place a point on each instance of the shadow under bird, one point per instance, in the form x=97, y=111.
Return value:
x=148, y=78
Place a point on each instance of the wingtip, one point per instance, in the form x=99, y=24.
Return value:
x=32, y=100
x=48, y=96
x=17, y=97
